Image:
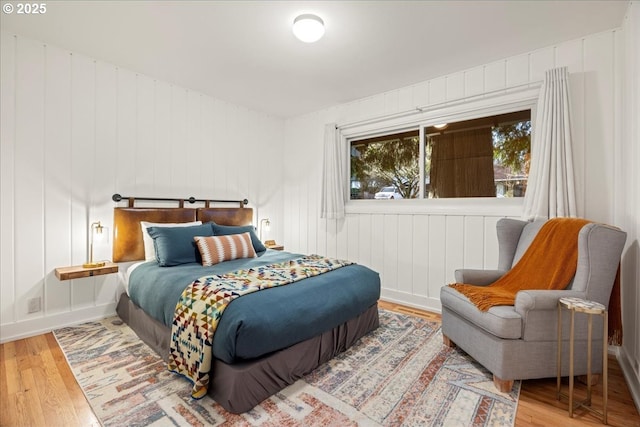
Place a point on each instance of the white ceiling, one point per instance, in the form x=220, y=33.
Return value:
x=244, y=52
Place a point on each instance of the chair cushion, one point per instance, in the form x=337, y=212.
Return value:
x=501, y=321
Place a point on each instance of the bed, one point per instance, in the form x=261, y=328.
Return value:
x=265, y=340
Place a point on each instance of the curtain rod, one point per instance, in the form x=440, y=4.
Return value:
x=117, y=198
x=431, y=107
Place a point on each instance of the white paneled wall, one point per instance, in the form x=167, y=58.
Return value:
x=76, y=130
x=627, y=199
x=416, y=248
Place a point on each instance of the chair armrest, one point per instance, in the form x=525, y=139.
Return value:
x=542, y=299
x=477, y=277
x=539, y=312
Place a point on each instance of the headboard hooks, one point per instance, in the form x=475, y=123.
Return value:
x=117, y=198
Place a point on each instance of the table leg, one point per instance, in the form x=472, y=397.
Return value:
x=605, y=365
x=589, y=331
x=571, y=336
x=559, y=352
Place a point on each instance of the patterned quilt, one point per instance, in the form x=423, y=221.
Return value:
x=202, y=303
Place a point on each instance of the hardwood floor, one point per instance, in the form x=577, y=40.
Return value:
x=37, y=388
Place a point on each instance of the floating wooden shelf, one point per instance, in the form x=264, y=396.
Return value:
x=78, y=272
x=275, y=247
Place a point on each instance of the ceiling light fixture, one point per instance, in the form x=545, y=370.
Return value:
x=308, y=28
x=441, y=126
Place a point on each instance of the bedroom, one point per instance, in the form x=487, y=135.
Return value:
x=80, y=123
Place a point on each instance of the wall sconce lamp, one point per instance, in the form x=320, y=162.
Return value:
x=96, y=232
x=265, y=224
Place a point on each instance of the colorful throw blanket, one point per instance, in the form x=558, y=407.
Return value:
x=202, y=303
x=550, y=262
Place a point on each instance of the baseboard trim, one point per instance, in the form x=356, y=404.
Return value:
x=631, y=377
x=424, y=303
x=42, y=325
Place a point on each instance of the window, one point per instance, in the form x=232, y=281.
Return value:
x=386, y=165
x=483, y=157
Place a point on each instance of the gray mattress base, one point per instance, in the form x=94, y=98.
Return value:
x=241, y=386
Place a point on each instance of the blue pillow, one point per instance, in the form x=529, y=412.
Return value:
x=225, y=230
x=175, y=245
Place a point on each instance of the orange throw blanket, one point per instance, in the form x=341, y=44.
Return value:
x=549, y=263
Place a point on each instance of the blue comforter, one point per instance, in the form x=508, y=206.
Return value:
x=262, y=322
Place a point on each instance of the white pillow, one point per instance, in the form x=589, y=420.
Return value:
x=149, y=249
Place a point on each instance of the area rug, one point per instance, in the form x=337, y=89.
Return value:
x=399, y=375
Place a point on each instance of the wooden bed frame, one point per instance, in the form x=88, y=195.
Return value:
x=241, y=386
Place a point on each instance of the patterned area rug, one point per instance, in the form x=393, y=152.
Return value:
x=399, y=375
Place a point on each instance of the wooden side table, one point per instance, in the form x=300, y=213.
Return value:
x=579, y=305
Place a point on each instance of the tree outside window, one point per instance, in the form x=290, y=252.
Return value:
x=388, y=161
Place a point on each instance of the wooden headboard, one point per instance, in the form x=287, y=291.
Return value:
x=127, y=233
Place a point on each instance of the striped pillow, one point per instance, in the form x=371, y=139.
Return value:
x=215, y=249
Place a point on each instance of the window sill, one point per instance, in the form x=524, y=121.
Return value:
x=478, y=206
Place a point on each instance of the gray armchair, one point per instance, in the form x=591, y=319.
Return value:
x=520, y=341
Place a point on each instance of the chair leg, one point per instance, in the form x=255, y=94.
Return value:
x=504, y=386
x=447, y=341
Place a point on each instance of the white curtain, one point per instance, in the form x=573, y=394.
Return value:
x=551, y=187
x=334, y=174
